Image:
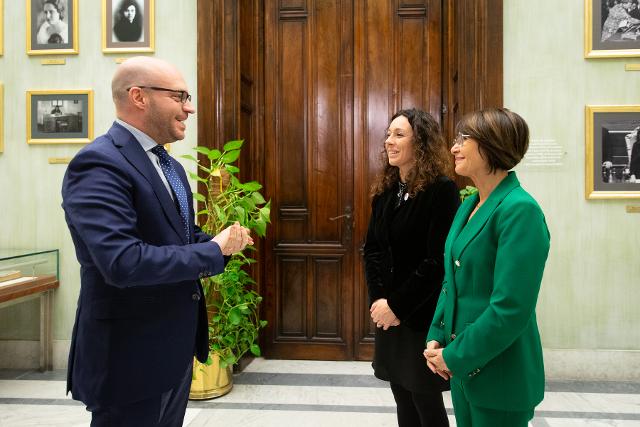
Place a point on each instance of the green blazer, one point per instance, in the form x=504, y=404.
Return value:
x=485, y=316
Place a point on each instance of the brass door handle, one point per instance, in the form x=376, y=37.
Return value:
x=346, y=215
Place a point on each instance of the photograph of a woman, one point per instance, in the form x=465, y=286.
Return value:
x=128, y=23
x=53, y=27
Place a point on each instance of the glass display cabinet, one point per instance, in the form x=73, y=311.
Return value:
x=28, y=274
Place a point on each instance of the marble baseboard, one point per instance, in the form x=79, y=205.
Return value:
x=19, y=354
x=23, y=354
x=596, y=365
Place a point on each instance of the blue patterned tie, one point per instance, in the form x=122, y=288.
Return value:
x=175, y=183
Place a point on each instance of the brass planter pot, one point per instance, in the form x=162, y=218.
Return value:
x=211, y=381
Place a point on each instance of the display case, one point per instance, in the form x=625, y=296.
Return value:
x=29, y=274
x=22, y=263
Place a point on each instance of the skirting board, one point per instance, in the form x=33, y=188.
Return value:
x=587, y=365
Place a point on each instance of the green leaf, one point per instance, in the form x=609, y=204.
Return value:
x=189, y=157
x=233, y=145
x=247, y=203
x=197, y=178
x=232, y=169
x=261, y=227
x=257, y=198
x=251, y=186
x=221, y=215
x=240, y=212
x=202, y=150
x=265, y=213
x=214, y=155
x=199, y=197
x=231, y=156
x=263, y=323
x=235, y=317
x=255, y=350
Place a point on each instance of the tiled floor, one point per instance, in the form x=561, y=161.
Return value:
x=302, y=393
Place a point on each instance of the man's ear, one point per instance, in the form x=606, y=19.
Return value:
x=138, y=98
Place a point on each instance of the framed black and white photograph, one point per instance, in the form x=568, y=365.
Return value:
x=52, y=27
x=128, y=26
x=612, y=152
x=612, y=28
x=59, y=116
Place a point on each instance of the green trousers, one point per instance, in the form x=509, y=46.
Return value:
x=468, y=415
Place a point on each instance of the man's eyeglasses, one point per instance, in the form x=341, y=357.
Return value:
x=184, y=95
x=460, y=139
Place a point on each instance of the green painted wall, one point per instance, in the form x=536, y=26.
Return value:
x=591, y=290
x=29, y=186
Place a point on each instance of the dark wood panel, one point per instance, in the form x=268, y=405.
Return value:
x=325, y=126
x=292, y=303
x=289, y=5
x=291, y=117
x=326, y=304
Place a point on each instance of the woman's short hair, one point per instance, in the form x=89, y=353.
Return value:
x=432, y=158
x=502, y=136
x=60, y=5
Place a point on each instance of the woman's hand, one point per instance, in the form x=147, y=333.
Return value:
x=435, y=361
x=382, y=315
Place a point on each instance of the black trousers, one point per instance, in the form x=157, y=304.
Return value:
x=419, y=409
x=164, y=410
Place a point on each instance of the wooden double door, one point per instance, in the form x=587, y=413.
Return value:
x=315, y=83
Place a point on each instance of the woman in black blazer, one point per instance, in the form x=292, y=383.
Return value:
x=413, y=206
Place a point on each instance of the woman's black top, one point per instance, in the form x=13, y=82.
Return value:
x=403, y=257
x=126, y=31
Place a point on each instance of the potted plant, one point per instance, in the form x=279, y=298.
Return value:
x=232, y=302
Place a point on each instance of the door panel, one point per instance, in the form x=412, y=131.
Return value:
x=310, y=180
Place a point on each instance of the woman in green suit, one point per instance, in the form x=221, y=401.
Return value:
x=484, y=335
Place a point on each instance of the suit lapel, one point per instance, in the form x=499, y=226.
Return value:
x=456, y=228
x=133, y=152
x=477, y=222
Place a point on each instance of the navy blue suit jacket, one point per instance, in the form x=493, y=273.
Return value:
x=141, y=316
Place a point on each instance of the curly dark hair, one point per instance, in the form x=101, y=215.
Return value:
x=430, y=150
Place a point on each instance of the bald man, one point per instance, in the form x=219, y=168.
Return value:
x=141, y=316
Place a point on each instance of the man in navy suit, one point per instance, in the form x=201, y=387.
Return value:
x=141, y=316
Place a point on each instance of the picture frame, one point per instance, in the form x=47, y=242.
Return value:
x=611, y=29
x=128, y=26
x=59, y=116
x=612, y=160
x=52, y=27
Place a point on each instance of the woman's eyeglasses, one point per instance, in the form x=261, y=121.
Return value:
x=460, y=139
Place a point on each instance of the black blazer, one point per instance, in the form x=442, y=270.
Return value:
x=404, y=250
